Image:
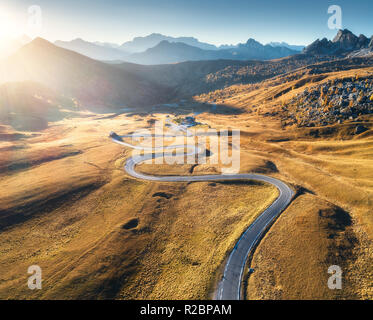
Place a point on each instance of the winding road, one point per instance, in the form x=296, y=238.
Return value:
x=229, y=287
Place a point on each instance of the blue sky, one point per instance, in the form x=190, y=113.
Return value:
x=214, y=21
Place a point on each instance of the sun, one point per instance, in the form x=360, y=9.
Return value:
x=8, y=25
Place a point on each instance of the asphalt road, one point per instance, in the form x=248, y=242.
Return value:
x=230, y=286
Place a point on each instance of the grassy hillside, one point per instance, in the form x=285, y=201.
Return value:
x=332, y=166
x=285, y=264
x=197, y=77
x=94, y=84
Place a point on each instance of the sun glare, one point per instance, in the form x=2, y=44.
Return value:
x=8, y=25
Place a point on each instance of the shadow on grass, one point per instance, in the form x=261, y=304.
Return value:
x=176, y=110
x=23, y=212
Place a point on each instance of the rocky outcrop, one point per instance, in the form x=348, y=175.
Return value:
x=333, y=102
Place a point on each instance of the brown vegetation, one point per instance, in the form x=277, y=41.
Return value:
x=334, y=163
x=68, y=206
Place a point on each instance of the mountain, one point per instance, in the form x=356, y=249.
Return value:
x=92, y=50
x=286, y=45
x=107, y=44
x=344, y=43
x=93, y=84
x=253, y=49
x=100, y=86
x=227, y=46
x=140, y=44
x=159, y=49
x=173, y=52
x=190, y=78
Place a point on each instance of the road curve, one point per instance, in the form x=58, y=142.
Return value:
x=230, y=286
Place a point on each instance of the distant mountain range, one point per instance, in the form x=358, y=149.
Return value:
x=345, y=43
x=286, y=45
x=160, y=49
x=107, y=44
x=140, y=44
x=172, y=52
x=97, y=51
x=100, y=86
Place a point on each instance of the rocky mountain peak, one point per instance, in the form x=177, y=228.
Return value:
x=252, y=43
x=344, y=42
x=342, y=35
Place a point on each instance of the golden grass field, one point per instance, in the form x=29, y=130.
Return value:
x=68, y=206
x=332, y=171
x=98, y=234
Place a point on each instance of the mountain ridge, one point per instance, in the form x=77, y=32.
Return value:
x=175, y=52
x=148, y=50
x=96, y=85
x=344, y=43
x=92, y=50
x=140, y=44
x=290, y=46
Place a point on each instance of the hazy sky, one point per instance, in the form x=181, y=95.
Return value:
x=214, y=21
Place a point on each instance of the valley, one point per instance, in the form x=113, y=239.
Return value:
x=99, y=232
